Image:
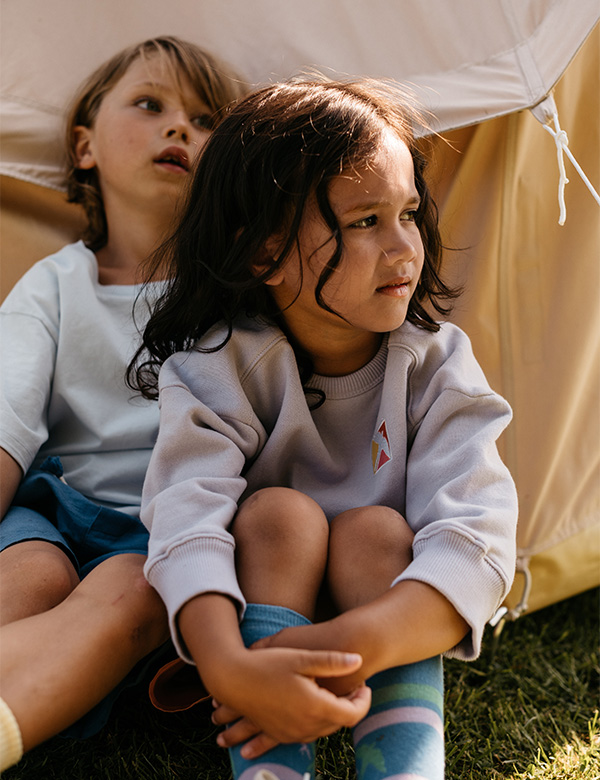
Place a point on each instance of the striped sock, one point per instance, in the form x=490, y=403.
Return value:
x=286, y=762
x=402, y=736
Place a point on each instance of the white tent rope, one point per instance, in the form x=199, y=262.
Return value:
x=562, y=147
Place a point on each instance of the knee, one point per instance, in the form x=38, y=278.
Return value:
x=368, y=548
x=39, y=575
x=119, y=589
x=279, y=518
x=150, y=624
x=374, y=528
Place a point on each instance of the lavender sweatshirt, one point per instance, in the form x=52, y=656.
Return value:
x=415, y=429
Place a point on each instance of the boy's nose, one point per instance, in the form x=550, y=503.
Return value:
x=178, y=133
x=178, y=127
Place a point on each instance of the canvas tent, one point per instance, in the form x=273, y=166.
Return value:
x=531, y=286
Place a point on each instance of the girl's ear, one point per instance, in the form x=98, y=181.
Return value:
x=82, y=146
x=264, y=262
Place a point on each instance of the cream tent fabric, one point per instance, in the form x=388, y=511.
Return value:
x=468, y=60
x=531, y=286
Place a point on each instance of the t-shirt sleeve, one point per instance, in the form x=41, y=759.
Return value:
x=29, y=321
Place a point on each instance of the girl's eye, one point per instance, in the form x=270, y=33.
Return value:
x=149, y=104
x=203, y=121
x=409, y=216
x=365, y=222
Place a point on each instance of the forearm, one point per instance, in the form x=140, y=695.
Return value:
x=209, y=627
x=410, y=622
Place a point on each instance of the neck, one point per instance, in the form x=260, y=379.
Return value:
x=338, y=355
x=128, y=247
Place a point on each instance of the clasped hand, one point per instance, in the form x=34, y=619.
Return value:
x=282, y=702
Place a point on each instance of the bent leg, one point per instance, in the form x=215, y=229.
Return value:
x=35, y=576
x=368, y=548
x=402, y=735
x=56, y=665
x=281, y=539
x=281, y=556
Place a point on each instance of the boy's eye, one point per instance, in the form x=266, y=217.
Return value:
x=149, y=104
x=203, y=121
x=365, y=222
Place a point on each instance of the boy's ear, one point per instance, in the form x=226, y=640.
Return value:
x=82, y=146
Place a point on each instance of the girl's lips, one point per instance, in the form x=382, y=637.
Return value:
x=396, y=289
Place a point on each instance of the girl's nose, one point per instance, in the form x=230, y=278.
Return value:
x=402, y=245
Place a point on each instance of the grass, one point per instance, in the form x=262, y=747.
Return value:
x=526, y=711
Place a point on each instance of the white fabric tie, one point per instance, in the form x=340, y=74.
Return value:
x=562, y=147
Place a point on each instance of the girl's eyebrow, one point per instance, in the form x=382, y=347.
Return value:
x=413, y=200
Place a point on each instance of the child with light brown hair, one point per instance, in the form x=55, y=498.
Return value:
x=76, y=612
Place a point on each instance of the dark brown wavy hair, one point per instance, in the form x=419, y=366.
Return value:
x=216, y=83
x=272, y=152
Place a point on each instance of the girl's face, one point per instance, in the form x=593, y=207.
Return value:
x=147, y=132
x=382, y=260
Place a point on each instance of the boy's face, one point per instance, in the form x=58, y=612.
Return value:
x=383, y=255
x=148, y=130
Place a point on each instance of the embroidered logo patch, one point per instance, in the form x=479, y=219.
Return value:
x=381, y=452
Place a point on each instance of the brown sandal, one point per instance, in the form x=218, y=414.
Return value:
x=176, y=687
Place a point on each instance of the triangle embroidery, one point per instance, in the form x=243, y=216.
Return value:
x=381, y=452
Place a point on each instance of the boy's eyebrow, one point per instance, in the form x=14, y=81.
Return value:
x=148, y=84
x=161, y=87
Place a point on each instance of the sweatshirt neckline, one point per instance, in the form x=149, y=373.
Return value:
x=357, y=383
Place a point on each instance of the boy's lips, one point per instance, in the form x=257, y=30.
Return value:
x=174, y=158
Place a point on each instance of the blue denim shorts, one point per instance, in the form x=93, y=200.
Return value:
x=46, y=508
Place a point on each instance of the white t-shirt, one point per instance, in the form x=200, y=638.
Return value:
x=65, y=343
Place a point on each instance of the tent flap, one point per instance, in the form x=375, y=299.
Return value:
x=467, y=61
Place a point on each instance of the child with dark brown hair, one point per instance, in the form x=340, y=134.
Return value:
x=321, y=434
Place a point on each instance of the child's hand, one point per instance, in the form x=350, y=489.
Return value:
x=319, y=636
x=281, y=701
x=258, y=742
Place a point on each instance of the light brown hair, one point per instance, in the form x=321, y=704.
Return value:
x=214, y=81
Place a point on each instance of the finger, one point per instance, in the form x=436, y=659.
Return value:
x=349, y=710
x=360, y=699
x=223, y=715
x=360, y=695
x=258, y=746
x=261, y=643
x=328, y=663
x=241, y=731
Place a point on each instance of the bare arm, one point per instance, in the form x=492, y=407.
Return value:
x=10, y=477
x=274, y=688
x=410, y=622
